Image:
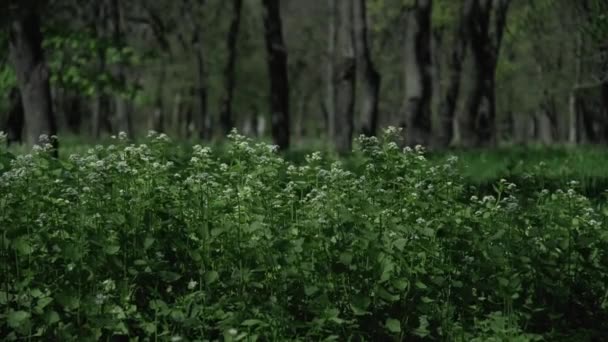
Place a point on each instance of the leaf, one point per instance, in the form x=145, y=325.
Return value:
x=400, y=244
x=148, y=242
x=359, y=305
x=346, y=258
x=211, y=277
x=22, y=246
x=421, y=285
x=393, y=325
x=169, y=277
x=310, y=290
x=253, y=322
x=111, y=249
x=16, y=318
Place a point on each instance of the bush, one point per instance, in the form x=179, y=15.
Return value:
x=136, y=240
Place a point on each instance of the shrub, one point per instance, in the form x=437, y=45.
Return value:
x=135, y=240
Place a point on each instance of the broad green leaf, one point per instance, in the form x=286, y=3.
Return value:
x=211, y=277
x=393, y=325
x=16, y=318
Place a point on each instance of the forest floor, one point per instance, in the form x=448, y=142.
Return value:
x=170, y=241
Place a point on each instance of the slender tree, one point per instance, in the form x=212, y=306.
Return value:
x=486, y=27
x=448, y=104
x=330, y=96
x=226, y=119
x=27, y=55
x=371, y=77
x=418, y=80
x=345, y=78
x=124, y=121
x=277, y=68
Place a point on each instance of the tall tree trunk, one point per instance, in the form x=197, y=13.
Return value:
x=418, y=81
x=226, y=118
x=479, y=126
x=27, y=55
x=159, y=116
x=201, y=89
x=449, y=103
x=124, y=122
x=277, y=67
x=330, y=97
x=100, y=104
x=573, y=124
x=345, y=77
x=15, y=120
x=371, y=77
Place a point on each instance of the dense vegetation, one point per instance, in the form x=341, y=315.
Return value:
x=173, y=243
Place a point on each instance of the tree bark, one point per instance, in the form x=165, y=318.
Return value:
x=418, y=80
x=15, y=120
x=124, y=121
x=27, y=55
x=330, y=99
x=479, y=127
x=371, y=77
x=448, y=106
x=226, y=117
x=345, y=77
x=277, y=67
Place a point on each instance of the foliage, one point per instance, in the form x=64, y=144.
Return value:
x=141, y=240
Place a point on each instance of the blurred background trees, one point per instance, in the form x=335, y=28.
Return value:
x=472, y=73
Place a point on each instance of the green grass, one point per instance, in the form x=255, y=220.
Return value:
x=165, y=242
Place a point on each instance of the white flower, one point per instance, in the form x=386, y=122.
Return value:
x=232, y=331
x=192, y=284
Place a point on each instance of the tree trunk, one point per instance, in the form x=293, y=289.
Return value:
x=159, y=108
x=277, y=67
x=32, y=74
x=15, y=120
x=201, y=90
x=330, y=103
x=124, y=122
x=226, y=118
x=345, y=77
x=418, y=80
x=448, y=106
x=371, y=77
x=479, y=126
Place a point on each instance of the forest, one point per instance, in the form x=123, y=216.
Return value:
x=289, y=170
x=450, y=73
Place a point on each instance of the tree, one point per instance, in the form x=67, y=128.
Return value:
x=457, y=55
x=226, y=119
x=32, y=72
x=277, y=68
x=418, y=81
x=124, y=120
x=478, y=124
x=371, y=77
x=344, y=79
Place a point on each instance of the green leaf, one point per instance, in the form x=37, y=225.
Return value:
x=16, y=318
x=310, y=290
x=111, y=249
x=253, y=322
x=346, y=258
x=211, y=277
x=22, y=246
x=148, y=242
x=169, y=277
x=393, y=325
x=359, y=305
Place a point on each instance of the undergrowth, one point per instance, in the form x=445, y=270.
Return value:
x=132, y=240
